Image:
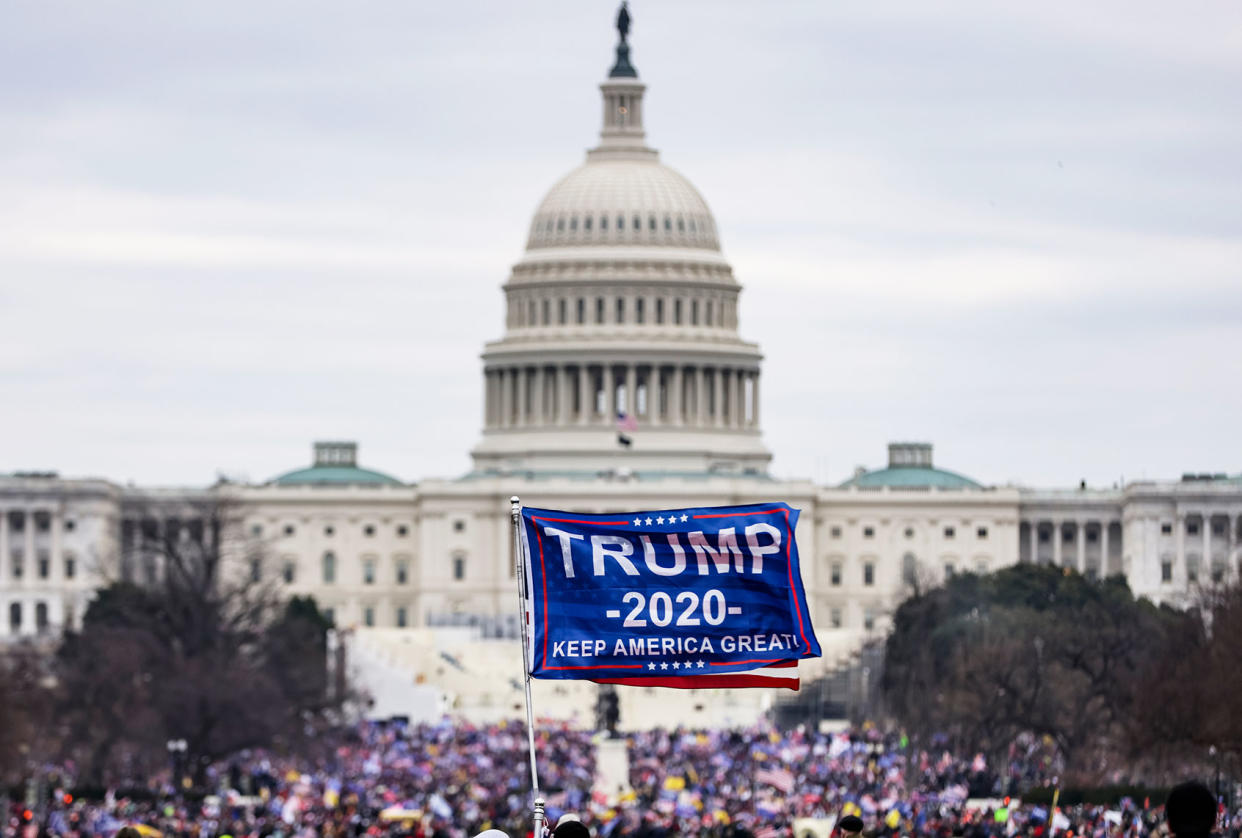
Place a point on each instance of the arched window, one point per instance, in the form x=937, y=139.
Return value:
x=603, y=223
x=586, y=224
x=694, y=312
x=15, y=618
x=459, y=567
x=41, y=617
x=581, y=310
x=659, y=311
x=651, y=223
x=560, y=225
x=573, y=224
x=638, y=310
x=681, y=225
x=638, y=223
x=547, y=312
x=620, y=223
x=620, y=310
x=561, y=308
x=677, y=312
x=709, y=312
x=599, y=309
x=329, y=568
x=668, y=224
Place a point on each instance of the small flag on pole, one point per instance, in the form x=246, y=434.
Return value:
x=626, y=422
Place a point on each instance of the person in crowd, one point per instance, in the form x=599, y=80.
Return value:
x=1190, y=810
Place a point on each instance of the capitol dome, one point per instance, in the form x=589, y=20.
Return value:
x=621, y=352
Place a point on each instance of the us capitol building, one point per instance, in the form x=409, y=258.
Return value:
x=622, y=305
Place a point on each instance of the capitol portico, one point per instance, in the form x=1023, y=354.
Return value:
x=621, y=382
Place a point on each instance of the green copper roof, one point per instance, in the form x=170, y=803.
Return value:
x=335, y=476
x=911, y=477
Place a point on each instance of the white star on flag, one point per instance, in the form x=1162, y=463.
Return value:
x=664, y=666
x=683, y=518
x=648, y=522
x=652, y=665
x=638, y=522
x=676, y=665
x=660, y=520
x=700, y=664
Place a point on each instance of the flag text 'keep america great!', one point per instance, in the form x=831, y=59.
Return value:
x=695, y=591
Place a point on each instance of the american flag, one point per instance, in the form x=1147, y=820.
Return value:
x=777, y=675
x=626, y=422
x=781, y=778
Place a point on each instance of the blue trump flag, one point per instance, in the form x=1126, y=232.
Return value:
x=649, y=595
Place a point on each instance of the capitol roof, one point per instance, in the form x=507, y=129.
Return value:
x=336, y=464
x=910, y=467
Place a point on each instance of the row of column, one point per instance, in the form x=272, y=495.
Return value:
x=534, y=309
x=671, y=395
x=1081, y=527
x=24, y=549
x=1206, y=567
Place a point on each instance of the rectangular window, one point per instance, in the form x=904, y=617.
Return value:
x=949, y=570
x=868, y=532
x=694, y=312
x=1166, y=571
x=836, y=573
x=659, y=311
x=949, y=532
x=401, y=616
x=329, y=568
x=620, y=310
x=403, y=573
x=581, y=311
x=289, y=572
x=368, y=572
x=459, y=526
x=868, y=619
x=1192, y=529
x=368, y=616
x=329, y=614
x=45, y=566
x=835, y=617
x=677, y=312
x=71, y=567
x=835, y=532
x=459, y=568
x=1218, y=528
x=599, y=310
x=1166, y=529
x=256, y=570
x=982, y=532
x=868, y=574
x=402, y=530
x=638, y=310
x=561, y=314
x=1043, y=537
x=1093, y=536
x=15, y=561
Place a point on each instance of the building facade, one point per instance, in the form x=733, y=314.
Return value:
x=620, y=382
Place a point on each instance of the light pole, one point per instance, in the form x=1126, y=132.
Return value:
x=176, y=752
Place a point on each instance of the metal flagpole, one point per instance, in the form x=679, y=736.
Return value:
x=515, y=511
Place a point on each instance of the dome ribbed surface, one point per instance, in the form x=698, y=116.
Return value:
x=627, y=201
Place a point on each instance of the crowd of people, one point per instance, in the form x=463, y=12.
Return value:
x=455, y=780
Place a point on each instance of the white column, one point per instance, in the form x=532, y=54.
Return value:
x=506, y=398
x=1205, y=563
x=700, y=396
x=1104, y=568
x=1179, y=567
x=631, y=389
x=1033, y=537
x=563, y=395
x=538, y=396
x=1056, y=543
x=1082, y=546
x=739, y=419
x=755, y=397
x=28, y=569
x=489, y=398
x=585, y=407
x=610, y=396
x=718, y=396
x=675, y=397
x=523, y=417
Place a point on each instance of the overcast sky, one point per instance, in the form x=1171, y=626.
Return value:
x=1011, y=229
